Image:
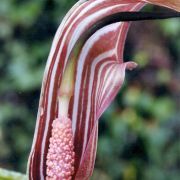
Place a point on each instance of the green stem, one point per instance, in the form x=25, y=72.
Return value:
x=11, y=175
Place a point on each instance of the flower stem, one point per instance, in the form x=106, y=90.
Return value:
x=66, y=89
x=11, y=175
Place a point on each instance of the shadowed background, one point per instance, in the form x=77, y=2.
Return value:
x=139, y=135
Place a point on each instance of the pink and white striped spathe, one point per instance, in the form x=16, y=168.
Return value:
x=99, y=75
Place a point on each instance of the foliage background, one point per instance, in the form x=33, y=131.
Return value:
x=139, y=135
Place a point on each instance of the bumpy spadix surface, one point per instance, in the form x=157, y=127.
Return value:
x=60, y=158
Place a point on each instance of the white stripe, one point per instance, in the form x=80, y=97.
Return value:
x=83, y=24
x=107, y=80
x=81, y=62
x=58, y=34
x=60, y=29
x=89, y=44
x=115, y=77
x=53, y=47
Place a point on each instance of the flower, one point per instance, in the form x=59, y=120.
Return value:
x=84, y=72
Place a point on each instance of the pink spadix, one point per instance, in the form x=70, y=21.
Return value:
x=60, y=157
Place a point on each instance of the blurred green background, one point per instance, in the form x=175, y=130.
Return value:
x=139, y=135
